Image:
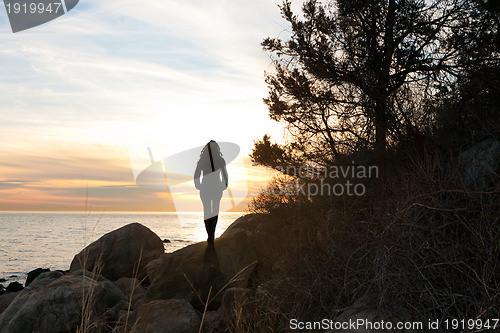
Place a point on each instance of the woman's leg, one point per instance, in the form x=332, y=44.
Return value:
x=207, y=213
x=216, y=205
x=211, y=203
x=215, y=213
x=207, y=207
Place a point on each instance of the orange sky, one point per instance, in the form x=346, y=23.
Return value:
x=96, y=178
x=79, y=91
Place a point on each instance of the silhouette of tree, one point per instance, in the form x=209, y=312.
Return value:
x=470, y=110
x=355, y=74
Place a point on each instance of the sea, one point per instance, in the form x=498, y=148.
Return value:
x=30, y=240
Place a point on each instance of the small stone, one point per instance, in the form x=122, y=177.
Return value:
x=34, y=273
x=166, y=241
x=14, y=287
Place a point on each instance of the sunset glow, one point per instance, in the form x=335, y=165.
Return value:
x=79, y=91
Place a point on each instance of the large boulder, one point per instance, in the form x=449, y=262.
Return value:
x=480, y=165
x=124, y=252
x=251, y=223
x=260, y=228
x=165, y=316
x=6, y=299
x=194, y=272
x=57, y=304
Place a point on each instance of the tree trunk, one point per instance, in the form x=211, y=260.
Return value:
x=380, y=125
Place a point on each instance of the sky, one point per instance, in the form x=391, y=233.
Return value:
x=85, y=95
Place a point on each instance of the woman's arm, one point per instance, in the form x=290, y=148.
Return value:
x=197, y=176
x=224, y=175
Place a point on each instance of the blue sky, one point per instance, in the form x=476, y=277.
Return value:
x=79, y=91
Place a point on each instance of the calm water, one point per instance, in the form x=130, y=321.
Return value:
x=51, y=239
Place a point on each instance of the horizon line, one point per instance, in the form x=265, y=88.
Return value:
x=116, y=212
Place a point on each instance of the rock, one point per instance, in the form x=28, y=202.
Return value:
x=34, y=273
x=166, y=241
x=124, y=252
x=113, y=296
x=44, y=279
x=260, y=228
x=123, y=319
x=132, y=290
x=233, y=299
x=480, y=165
x=234, y=302
x=364, y=312
x=212, y=320
x=114, y=315
x=193, y=270
x=371, y=317
x=14, y=287
x=5, y=300
x=2, y=280
x=127, y=285
x=165, y=316
x=56, y=304
x=250, y=222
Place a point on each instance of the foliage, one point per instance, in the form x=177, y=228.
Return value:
x=410, y=82
x=357, y=75
x=419, y=248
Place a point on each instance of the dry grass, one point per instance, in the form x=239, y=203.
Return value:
x=418, y=243
x=94, y=320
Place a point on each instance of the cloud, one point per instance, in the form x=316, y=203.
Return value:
x=73, y=177
x=13, y=184
x=229, y=32
x=85, y=162
x=81, y=88
x=121, y=65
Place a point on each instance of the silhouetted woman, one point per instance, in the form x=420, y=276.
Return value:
x=211, y=179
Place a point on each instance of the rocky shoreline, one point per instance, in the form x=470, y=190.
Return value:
x=125, y=282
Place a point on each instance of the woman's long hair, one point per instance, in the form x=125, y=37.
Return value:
x=217, y=156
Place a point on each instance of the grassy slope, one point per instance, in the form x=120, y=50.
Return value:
x=417, y=243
